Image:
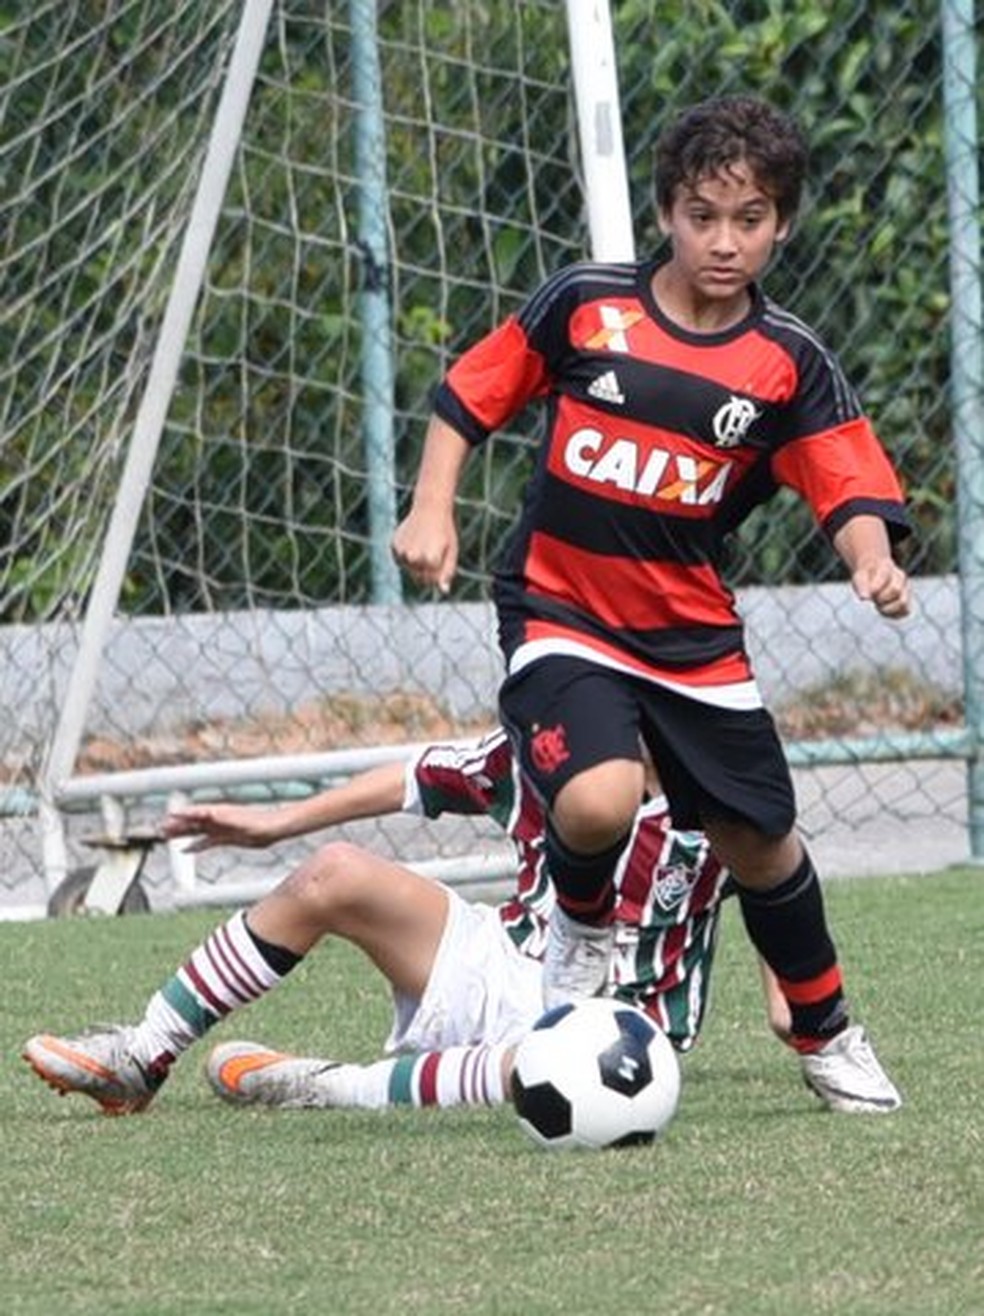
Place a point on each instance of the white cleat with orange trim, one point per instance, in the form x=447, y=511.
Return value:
x=248, y=1074
x=97, y=1063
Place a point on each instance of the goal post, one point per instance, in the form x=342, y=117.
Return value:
x=599, y=120
x=148, y=427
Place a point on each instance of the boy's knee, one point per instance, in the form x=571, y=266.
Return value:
x=755, y=859
x=329, y=880
x=598, y=806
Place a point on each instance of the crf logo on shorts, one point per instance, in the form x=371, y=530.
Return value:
x=548, y=749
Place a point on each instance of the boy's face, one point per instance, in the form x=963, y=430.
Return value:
x=723, y=229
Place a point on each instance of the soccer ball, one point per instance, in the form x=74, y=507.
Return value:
x=597, y=1073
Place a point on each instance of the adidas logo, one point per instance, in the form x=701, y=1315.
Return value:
x=606, y=388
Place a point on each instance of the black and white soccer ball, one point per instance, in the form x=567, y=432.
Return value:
x=597, y=1073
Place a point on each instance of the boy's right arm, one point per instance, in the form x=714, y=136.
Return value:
x=437, y=772
x=425, y=543
x=369, y=794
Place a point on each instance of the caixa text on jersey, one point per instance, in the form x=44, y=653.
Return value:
x=623, y=463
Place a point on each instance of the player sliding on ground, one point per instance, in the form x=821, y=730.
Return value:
x=465, y=977
x=677, y=399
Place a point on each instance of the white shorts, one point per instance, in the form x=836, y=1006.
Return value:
x=481, y=989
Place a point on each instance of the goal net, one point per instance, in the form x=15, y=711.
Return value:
x=393, y=192
x=405, y=174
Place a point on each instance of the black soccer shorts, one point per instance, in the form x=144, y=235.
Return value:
x=565, y=715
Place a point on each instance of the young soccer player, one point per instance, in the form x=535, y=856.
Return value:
x=678, y=397
x=466, y=977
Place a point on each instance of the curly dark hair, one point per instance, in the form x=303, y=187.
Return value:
x=709, y=137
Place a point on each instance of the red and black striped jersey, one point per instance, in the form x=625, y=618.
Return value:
x=659, y=442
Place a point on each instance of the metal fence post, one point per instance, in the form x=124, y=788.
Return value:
x=967, y=372
x=374, y=300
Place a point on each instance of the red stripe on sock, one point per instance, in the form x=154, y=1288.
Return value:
x=217, y=962
x=806, y=1046
x=812, y=990
x=221, y=1008
x=427, y=1085
x=244, y=980
x=597, y=910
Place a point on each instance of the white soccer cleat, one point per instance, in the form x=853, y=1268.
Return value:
x=247, y=1074
x=576, y=959
x=98, y=1063
x=846, y=1076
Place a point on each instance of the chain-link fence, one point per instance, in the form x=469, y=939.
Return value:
x=371, y=229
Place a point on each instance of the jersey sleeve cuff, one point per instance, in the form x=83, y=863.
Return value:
x=896, y=518
x=449, y=407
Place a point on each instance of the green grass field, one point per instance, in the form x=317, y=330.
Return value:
x=756, y=1200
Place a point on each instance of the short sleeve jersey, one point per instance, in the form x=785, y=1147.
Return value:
x=482, y=778
x=658, y=443
x=668, y=884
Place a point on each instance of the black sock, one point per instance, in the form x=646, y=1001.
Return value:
x=788, y=927
x=280, y=959
x=584, y=882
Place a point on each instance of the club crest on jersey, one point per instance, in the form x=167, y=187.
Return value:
x=548, y=749
x=672, y=884
x=732, y=421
